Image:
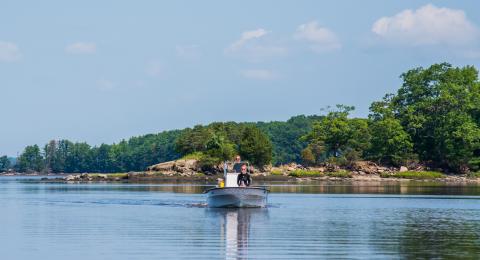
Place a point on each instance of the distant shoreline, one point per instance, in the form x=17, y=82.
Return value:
x=148, y=177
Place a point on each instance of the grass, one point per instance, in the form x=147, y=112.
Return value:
x=195, y=156
x=306, y=173
x=340, y=174
x=276, y=172
x=415, y=175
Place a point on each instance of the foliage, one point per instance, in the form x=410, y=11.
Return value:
x=337, y=136
x=306, y=173
x=255, y=146
x=415, y=175
x=30, y=160
x=286, y=137
x=221, y=141
x=390, y=144
x=276, y=172
x=340, y=174
x=439, y=107
x=4, y=163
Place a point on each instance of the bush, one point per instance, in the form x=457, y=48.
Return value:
x=414, y=175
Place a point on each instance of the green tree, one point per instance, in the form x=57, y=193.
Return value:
x=30, y=160
x=50, y=154
x=286, y=137
x=439, y=107
x=255, y=146
x=4, y=163
x=340, y=136
x=390, y=144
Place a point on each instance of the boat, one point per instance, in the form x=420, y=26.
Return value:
x=230, y=195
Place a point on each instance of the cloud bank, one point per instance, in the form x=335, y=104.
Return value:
x=428, y=25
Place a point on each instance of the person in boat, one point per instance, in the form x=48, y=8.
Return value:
x=237, y=164
x=244, y=179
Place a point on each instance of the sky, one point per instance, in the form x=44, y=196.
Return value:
x=102, y=71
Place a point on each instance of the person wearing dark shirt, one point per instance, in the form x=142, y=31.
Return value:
x=244, y=179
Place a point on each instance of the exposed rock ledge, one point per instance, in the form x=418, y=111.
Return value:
x=178, y=167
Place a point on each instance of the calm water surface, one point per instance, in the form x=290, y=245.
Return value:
x=310, y=221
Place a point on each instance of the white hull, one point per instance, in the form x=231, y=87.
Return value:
x=237, y=197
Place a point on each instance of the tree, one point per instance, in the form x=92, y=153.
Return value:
x=30, y=160
x=333, y=131
x=50, y=153
x=286, y=137
x=255, y=146
x=4, y=163
x=390, y=144
x=339, y=136
x=439, y=107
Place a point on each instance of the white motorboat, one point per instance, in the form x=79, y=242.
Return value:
x=233, y=196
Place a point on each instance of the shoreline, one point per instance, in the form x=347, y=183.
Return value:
x=148, y=177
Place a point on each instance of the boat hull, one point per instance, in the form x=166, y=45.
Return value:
x=237, y=197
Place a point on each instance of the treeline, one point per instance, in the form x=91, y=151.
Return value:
x=433, y=119
x=134, y=154
x=263, y=143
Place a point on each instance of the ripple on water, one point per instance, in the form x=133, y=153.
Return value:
x=124, y=223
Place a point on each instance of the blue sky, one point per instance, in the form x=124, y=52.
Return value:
x=100, y=71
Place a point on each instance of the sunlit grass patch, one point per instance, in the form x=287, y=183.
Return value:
x=195, y=156
x=414, y=175
x=306, y=173
x=340, y=174
x=276, y=172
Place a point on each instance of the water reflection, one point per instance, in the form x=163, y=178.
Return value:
x=434, y=234
x=235, y=228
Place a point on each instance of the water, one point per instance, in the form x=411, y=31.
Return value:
x=309, y=221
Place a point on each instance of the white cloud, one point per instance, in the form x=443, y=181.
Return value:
x=428, y=25
x=246, y=37
x=259, y=74
x=105, y=84
x=81, y=48
x=321, y=39
x=155, y=69
x=253, y=47
x=9, y=52
x=188, y=52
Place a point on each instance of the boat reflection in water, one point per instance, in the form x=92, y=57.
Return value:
x=236, y=226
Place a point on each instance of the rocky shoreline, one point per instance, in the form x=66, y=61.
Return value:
x=188, y=170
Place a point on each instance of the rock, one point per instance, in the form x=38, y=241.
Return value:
x=182, y=166
x=403, y=169
x=72, y=177
x=367, y=167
